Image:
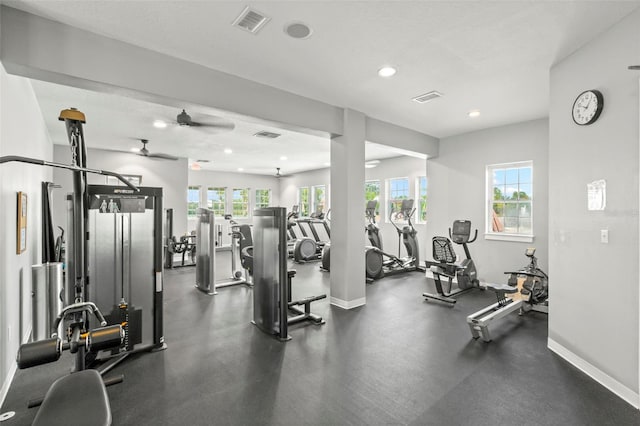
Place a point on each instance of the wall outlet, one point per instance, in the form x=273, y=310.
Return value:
x=604, y=236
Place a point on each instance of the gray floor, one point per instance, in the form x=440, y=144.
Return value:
x=397, y=360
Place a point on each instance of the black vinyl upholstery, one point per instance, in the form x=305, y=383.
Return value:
x=78, y=399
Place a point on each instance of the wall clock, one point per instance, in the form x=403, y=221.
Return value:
x=587, y=107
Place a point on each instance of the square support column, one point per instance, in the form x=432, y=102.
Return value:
x=347, y=205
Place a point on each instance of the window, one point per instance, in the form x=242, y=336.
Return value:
x=398, y=190
x=216, y=201
x=510, y=201
x=193, y=200
x=319, y=194
x=240, y=202
x=263, y=198
x=421, y=195
x=303, y=201
x=372, y=192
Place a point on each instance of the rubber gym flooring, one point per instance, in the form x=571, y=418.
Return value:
x=399, y=360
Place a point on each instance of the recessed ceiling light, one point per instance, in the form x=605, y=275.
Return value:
x=135, y=150
x=387, y=71
x=371, y=164
x=195, y=166
x=159, y=124
x=474, y=113
x=283, y=158
x=228, y=151
x=240, y=169
x=298, y=30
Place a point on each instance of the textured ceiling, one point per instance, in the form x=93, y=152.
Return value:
x=493, y=56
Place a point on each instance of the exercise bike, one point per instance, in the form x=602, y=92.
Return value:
x=379, y=263
x=528, y=290
x=444, y=263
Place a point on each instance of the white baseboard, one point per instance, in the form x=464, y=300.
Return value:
x=596, y=374
x=348, y=304
x=7, y=382
x=12, y=372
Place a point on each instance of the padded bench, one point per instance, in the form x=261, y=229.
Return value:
x=78, y=399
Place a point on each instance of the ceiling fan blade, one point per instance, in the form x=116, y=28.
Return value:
x=222, y=125
x=163, y=156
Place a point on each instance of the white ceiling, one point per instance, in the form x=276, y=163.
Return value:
x=118, y=123
x=493, y=56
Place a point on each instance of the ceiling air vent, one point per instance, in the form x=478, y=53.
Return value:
x=250, y=20
x=427, y=97
x=265, y=134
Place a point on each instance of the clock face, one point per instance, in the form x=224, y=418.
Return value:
x=587, y=107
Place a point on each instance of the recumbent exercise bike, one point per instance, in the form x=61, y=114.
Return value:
x=444, y=263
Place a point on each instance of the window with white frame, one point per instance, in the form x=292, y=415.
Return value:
x=421, y=196
x=397, y=190
x=263, y=198
x=193, y=200
x=318, y=200
x=240, y=202
x=304, y=201
x=216, y=200
x=510, y=201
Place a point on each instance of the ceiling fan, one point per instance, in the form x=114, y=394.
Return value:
x=217, y=124
x=145, y=152
x=279, y=174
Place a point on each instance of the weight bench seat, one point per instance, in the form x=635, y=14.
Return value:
x=78, y=399
x=502, y=288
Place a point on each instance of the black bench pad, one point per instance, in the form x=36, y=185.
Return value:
x=78, y=399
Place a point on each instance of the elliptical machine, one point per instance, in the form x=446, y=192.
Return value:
x=376, y=265
x=444, y=263
x=301, y=248
x=372, y=229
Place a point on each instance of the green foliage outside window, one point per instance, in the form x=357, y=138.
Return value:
x=398, y=191
x=240, y=202
x=422, y=199
x=303, y=197
x=511, y=204
x=318, y=198
x=216, y=201
x=263, y=198
x=193, y=200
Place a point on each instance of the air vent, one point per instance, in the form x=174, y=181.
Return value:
x=202, y=161
x=427, y=97
x=265, y=134
x=250, y=20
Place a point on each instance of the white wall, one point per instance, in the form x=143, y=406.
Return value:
x=207, y=178
x=594, y=286
x=456, y=190
x=23, y=133
x=289, y=186
x=169, y=175
x=403, y=166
